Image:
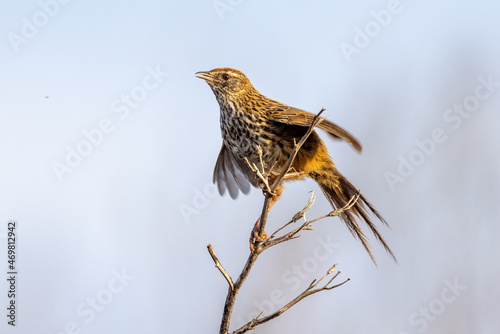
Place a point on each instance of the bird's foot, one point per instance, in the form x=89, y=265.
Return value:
x=265, y=187
x=256, y=237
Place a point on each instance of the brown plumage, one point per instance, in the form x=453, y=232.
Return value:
x=250, y=121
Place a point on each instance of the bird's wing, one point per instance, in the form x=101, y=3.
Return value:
x=293, y=116
x=232, y=174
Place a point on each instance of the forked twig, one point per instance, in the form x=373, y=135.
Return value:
x=337, y=212
x=270, y=191
x=235, y=286
x=298, y=216
x=307, y=292
x=306, y=225
x=259, y=172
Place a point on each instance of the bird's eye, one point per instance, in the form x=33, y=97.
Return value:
x=225, y=76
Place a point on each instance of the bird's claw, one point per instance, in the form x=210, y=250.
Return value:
x=256, y=237
x=265, y=188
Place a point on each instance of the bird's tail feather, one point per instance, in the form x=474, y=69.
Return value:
x=339, y=191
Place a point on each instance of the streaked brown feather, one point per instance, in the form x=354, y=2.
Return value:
x=293, y=116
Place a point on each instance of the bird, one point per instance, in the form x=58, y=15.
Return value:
x=259, y=131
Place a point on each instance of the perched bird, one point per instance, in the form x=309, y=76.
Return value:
x=261, y=131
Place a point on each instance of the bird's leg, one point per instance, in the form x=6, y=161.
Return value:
x=255, y=237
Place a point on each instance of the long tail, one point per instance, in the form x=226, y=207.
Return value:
x=338, y=190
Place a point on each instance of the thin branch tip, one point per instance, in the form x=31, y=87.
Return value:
x=219, y=266
x=332, y=269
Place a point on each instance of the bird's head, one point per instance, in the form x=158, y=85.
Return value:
x=226, y=81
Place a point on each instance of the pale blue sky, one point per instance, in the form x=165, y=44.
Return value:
x=122, y=208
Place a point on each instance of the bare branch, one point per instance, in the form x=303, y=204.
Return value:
x=261, y=174
x=299, y=215
x=259, y=247
x=284, y=170
x=296, y=148
x=273, y=241
x=219, y=266
x=307, y=292
x=337, y=212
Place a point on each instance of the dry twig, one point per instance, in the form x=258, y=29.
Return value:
x=260, y=247
x=270, y=191
x=307, y=292
x=219, y=266
x=315, y=122
x=272, y=241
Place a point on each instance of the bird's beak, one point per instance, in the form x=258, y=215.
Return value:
x=207, y=76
